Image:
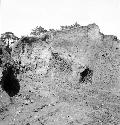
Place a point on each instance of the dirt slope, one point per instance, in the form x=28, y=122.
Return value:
x=73, y=78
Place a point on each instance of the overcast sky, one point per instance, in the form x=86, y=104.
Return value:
x=20, y=16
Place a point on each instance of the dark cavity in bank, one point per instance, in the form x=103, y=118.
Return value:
x=9, y=81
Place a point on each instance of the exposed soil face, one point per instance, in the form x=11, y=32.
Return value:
x=72, y=78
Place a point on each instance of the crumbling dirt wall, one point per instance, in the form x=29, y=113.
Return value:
x=73, y=78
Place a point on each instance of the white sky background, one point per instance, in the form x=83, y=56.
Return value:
x=20, y=16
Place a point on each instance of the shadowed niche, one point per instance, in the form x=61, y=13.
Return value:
x=9, y=82
x=86, y=75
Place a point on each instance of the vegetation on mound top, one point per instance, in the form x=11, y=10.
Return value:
x=89, y=86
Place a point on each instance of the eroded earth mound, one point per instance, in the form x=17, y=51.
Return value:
x=72, y=78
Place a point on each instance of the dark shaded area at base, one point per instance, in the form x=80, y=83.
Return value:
x=9, y=82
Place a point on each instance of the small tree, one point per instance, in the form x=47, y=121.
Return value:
x=38, y=31
x=52, y=30
x=70, y=26
x=76, y=25
x=8, y=38
x=64, y=27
